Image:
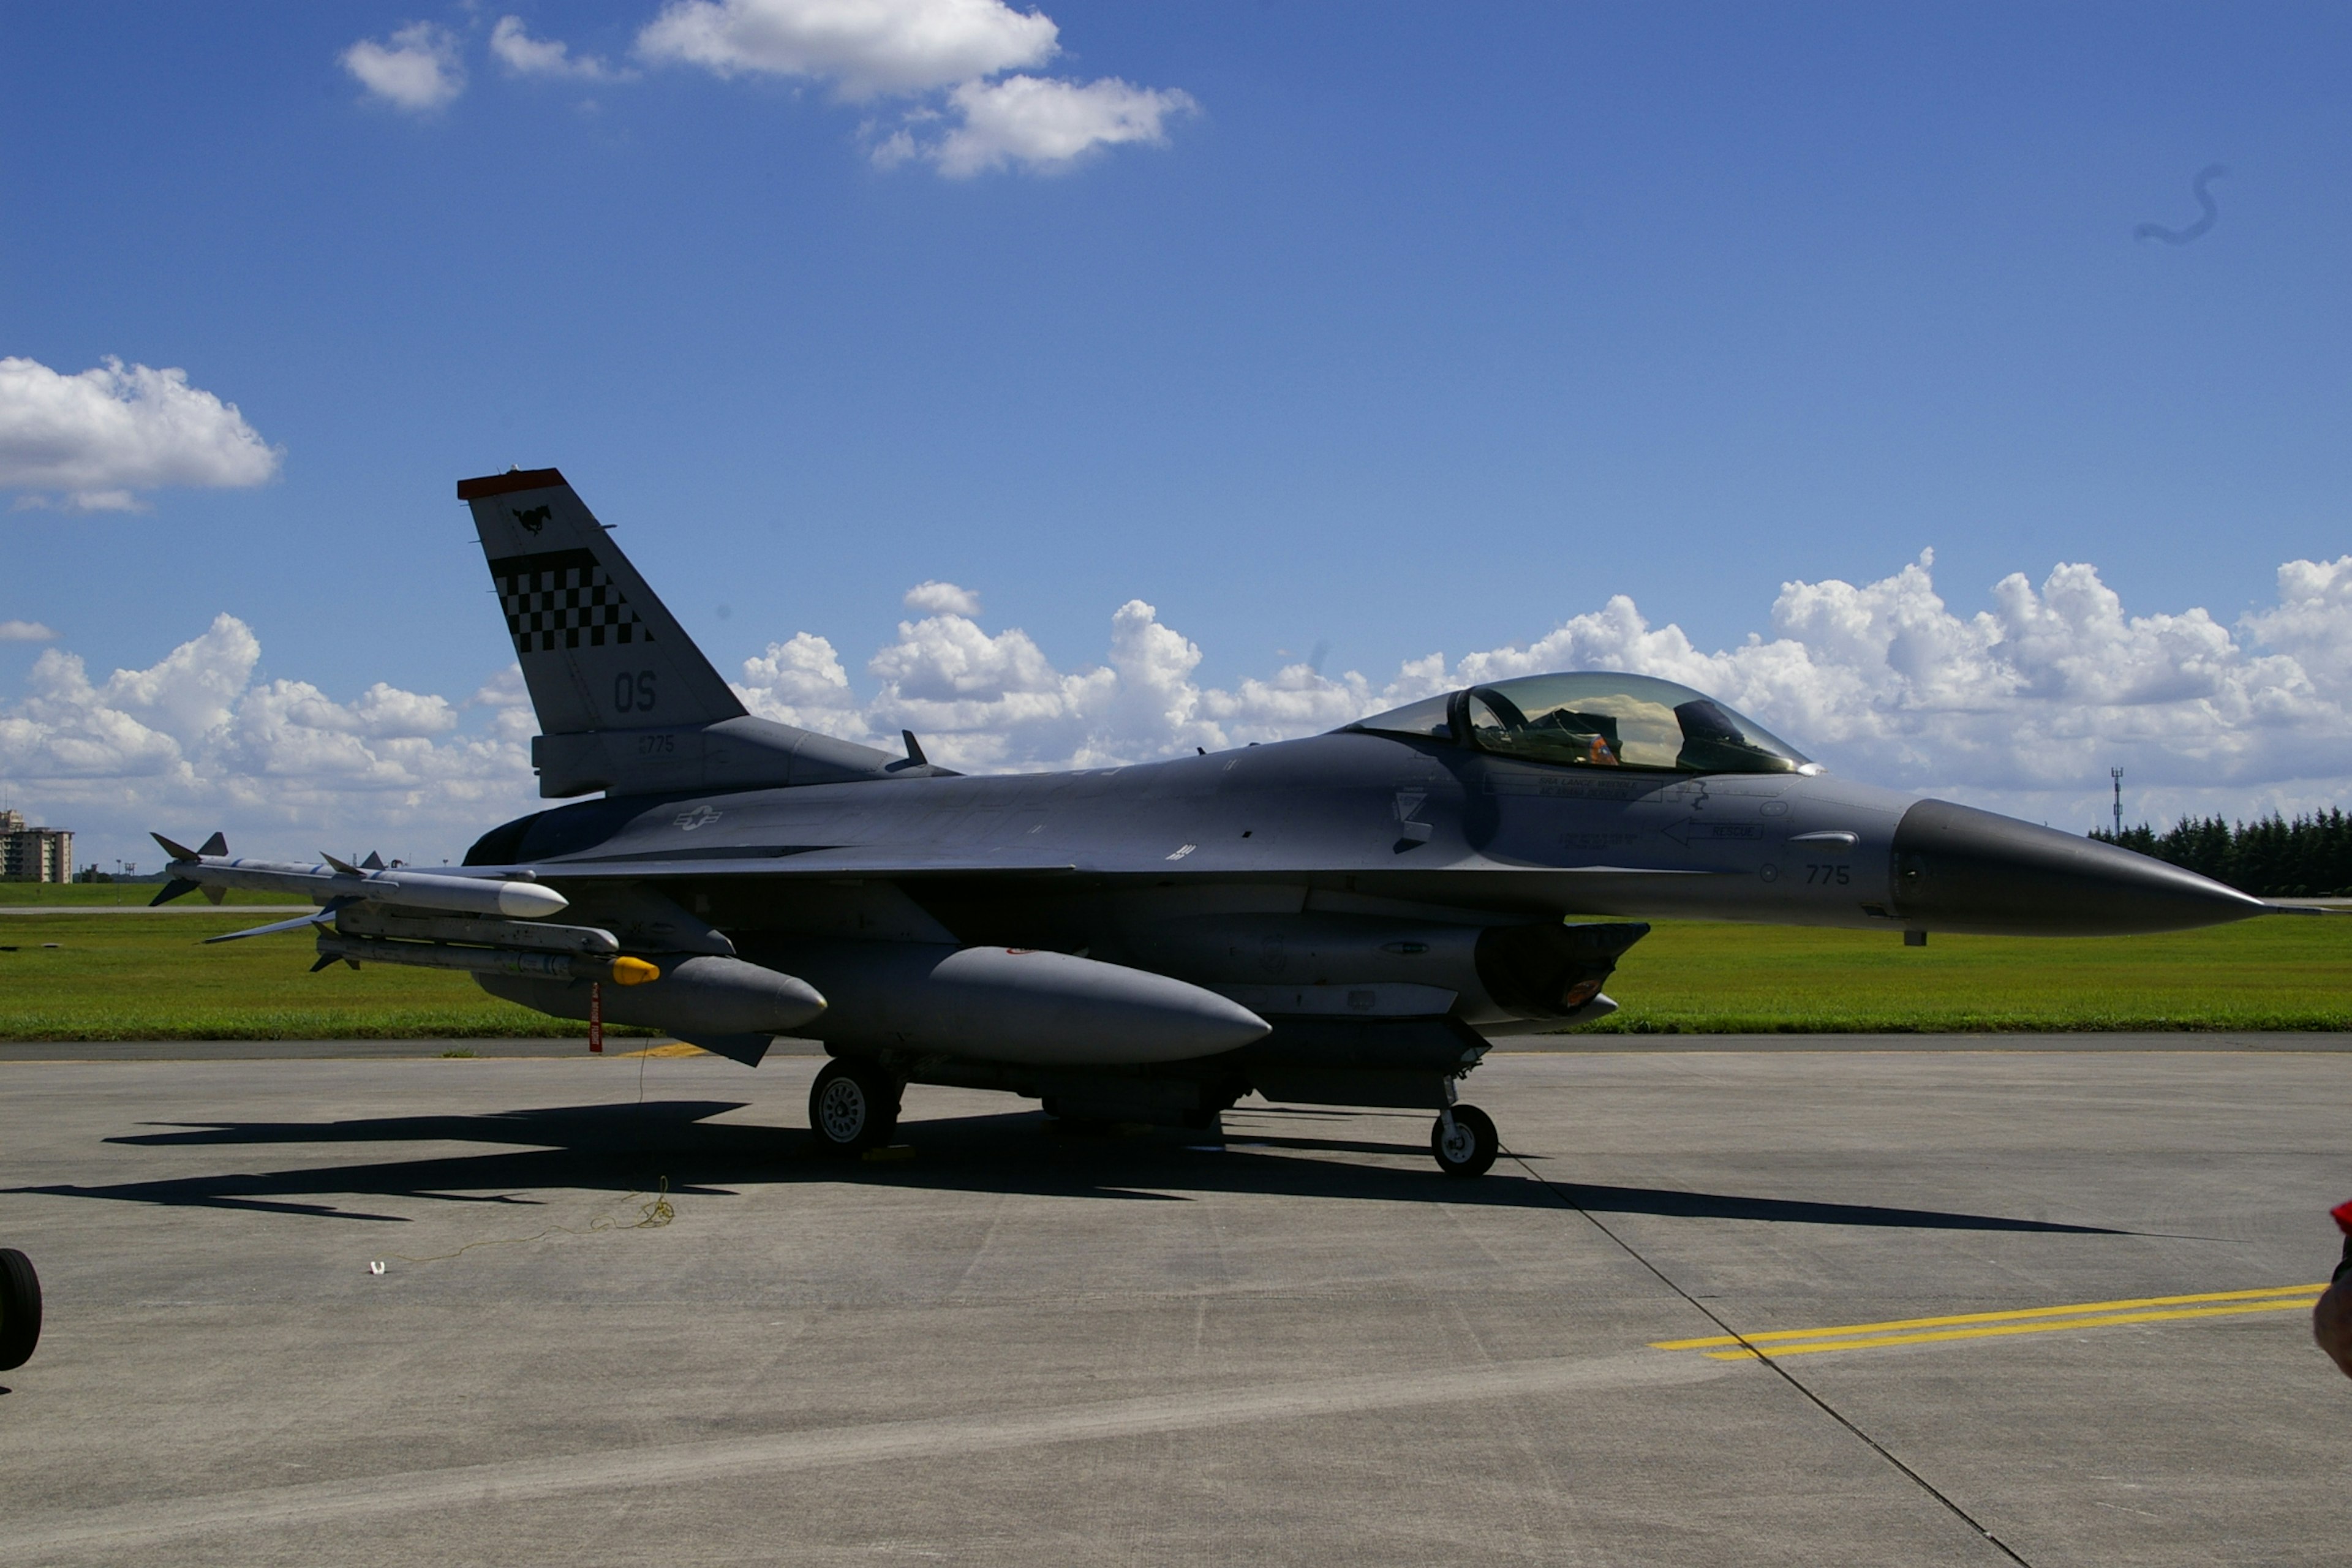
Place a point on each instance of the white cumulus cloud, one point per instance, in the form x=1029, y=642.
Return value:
x=865, y=48
x=951, y=56
x=802, y=682
x=938, y=599
x=1045, y=123
x=417, y=68
x=25, y=631
x=2021, y=706
x=523, y=55
x=106, y=432
x=194, y=741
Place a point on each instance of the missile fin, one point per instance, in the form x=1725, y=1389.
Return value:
x=177, y=888
x=345, y=868
x=375, y=862
x=214, y=893
x=176, y=851
x=326, y=960
x=296, y=924
x=745, y=1049
x=217, y=844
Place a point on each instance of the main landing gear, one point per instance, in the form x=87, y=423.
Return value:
x=853, y=1107
x=1465, y=1141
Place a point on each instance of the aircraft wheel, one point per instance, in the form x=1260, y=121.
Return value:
x=1473, y=1147
x=20, y=1308
x=853, y=1107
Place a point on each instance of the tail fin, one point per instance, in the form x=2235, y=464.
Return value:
x=598, y=649
x=626, y=702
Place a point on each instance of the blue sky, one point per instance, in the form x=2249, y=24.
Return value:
x=1418, y=329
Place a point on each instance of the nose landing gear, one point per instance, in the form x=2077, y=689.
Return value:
x=1465, y=1141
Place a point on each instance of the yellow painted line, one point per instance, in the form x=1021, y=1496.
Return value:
x=2011, y=1316
x=675, y=1048
x=1776, y=1353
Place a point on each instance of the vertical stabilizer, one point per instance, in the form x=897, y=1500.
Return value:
x=598, y=650
x=626, y=702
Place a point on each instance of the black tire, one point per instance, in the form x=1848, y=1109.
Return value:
x=853, y=1107
x=1476, y=1143
x=20, y=1308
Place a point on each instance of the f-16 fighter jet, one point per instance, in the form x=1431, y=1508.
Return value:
x=1353, y=919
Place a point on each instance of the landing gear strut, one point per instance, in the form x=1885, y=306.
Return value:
x=1465, y=1141
x=853, y=1107
x=20, y=1308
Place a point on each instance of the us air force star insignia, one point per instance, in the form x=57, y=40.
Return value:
x=700, y=817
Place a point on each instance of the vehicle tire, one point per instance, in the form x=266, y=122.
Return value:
x=1473, y=1147
x=853, y=1107
x=20, y=1308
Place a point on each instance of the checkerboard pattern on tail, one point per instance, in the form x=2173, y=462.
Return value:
x=564, y=598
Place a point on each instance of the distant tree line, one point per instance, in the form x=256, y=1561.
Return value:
x=2271, y=856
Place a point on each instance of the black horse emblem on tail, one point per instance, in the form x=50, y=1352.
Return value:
x=532, y=520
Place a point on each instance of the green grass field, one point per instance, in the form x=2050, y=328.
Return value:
x=144, y=977
x=2278, y=973
x=126, y=977
x=109, y=895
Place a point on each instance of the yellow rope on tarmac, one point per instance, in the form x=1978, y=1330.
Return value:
x=651, y=1216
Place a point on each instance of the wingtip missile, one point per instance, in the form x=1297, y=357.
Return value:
x=212, y=872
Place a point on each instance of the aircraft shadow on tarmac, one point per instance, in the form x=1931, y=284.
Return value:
x=628, y=1148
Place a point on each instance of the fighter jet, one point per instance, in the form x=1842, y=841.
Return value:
x=1354, y=919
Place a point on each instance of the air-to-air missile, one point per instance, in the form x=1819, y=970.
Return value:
x=1348, y=919
x=378, y=912
x=213, y=869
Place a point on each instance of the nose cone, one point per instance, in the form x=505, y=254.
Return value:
x=791, y=1001
x=1961, y=869
x=530, y=902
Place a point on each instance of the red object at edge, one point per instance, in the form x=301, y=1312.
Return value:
x=596, y=1026
x=509, y=483
x=2342, y=1214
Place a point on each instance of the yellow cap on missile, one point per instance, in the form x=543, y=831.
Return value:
x=634, y=972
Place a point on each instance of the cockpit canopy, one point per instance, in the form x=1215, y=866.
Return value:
x=1596, y=718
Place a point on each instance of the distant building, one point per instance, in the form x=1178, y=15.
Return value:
x=33, y=853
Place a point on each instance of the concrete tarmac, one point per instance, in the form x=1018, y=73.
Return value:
x=1007, y=1343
